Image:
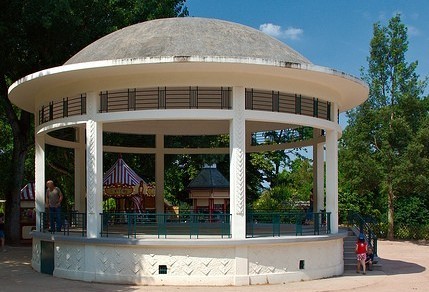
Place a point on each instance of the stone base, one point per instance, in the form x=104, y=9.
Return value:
x=217, y=262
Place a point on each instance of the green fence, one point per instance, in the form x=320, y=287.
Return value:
x=71, y=223
x=291, y=223
x=193, y=225
x=164, y=225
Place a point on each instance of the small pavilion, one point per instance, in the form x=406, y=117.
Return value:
x=188, y=77
x=209, y=191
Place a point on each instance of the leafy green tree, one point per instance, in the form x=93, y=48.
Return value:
x=293, y=188
x=378, y=143
x=41, y=34
x=264, y=168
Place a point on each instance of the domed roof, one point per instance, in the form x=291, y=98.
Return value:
x=187, y=37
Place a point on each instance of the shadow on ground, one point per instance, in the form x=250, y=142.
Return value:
x=396, y=267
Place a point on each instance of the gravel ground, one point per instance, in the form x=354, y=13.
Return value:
x=405, y=268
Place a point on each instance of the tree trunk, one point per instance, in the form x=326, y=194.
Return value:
x=13, y=198
x=390, y=213
x=21, y=129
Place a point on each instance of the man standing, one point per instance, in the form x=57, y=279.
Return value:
x=54, y=197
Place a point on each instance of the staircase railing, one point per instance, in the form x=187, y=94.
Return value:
x=357, y=221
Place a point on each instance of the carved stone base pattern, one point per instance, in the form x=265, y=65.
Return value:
x=70, y=257
x=269, y=261
x=35, y=255
x=186, y=262
x=261, y=263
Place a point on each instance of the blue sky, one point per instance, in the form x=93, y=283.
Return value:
x=334, y=33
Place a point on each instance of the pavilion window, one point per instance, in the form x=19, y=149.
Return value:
x=104, y=98
x=297, y=104
x=65, y=107
x=225, y=97
x=275, y=101
x=131, y=99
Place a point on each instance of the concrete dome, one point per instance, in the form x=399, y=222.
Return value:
x=187, y=37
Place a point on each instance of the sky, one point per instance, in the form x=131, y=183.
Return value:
x=334, y=33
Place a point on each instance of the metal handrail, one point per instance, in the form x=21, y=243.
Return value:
x=294, y=222
x=194, y=225
x=359, y=222
x=71, y=221
x=165, y=224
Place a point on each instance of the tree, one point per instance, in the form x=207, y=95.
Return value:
x=293, y=188
x=41, y=34
x=376, y=144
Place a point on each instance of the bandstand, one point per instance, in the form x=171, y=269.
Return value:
x=187, y=76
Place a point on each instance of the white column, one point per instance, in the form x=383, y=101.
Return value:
x=94, y=166
x=332, y=173
x=39, y=169
x=318, y=173
x=320, y=193
x=159, y=173
x=237, y=187
x=79, y=172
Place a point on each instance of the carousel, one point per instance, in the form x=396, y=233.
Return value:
x=129, y=191
x=187, y=77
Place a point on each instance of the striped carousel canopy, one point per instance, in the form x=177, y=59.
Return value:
x=121, y=173
x=27, y=192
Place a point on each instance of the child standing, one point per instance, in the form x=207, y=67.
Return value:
x=361, y=249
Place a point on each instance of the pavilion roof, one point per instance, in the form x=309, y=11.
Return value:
x=209, y=177
x=188, y=36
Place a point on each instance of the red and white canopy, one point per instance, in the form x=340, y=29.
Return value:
x=27, y=192
x=121, y=173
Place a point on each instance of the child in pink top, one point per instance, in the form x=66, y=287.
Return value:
x=361, y=249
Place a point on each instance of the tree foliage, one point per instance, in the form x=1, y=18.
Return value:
x=293, y=189
x=382, y=151
x=264, y=168
x=41, y=34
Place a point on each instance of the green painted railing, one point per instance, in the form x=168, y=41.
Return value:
x=194, y=225
x=260, y=224
x=72, y=223
x=364, y=227
x=164, y=225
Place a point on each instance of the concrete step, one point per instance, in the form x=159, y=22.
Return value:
x=350, y=238
x=349, y=254
x=352, y=266
x=349, y=262
x=349, y=244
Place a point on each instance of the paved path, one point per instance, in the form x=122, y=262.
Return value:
x=405, y=268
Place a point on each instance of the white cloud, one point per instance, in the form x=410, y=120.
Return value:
x=276, y=31
x=412, y=30
x=271, y=29
x=293, y=33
